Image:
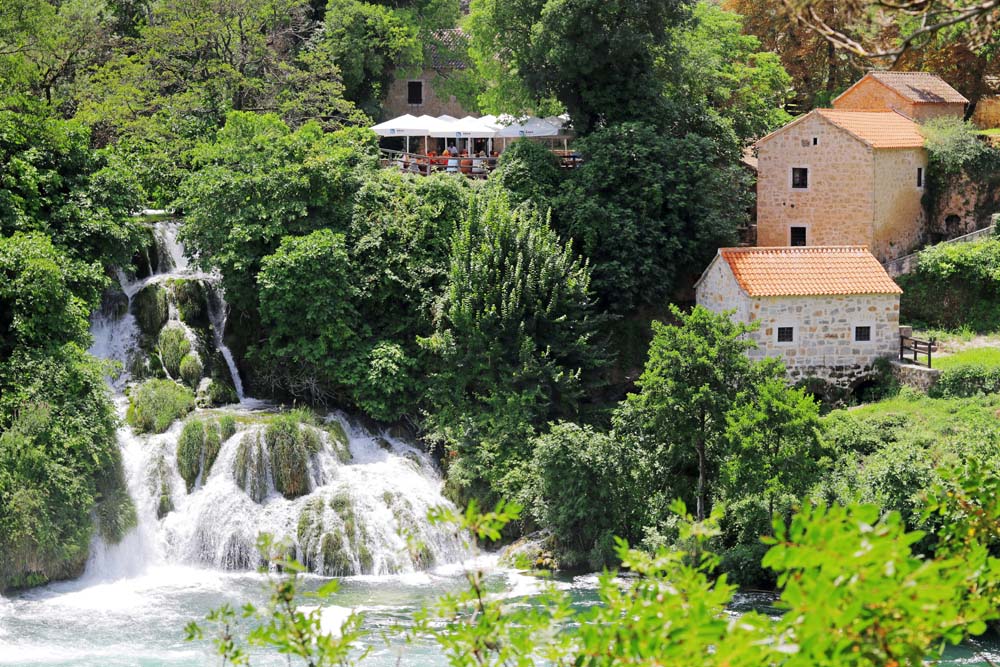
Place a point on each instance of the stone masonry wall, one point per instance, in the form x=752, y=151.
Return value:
x=718, y=291
x=870, y=95
x=824, y=345
x=434, y=104
x=837, y=208
x=899, y=213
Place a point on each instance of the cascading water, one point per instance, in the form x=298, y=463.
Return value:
x=364, y=496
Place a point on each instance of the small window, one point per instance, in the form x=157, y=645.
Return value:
x=798, y=236
x=414, y=92
x=800, y=178
x=815, y=141
x=863, y=334
x=786, y=334
x=920, y=177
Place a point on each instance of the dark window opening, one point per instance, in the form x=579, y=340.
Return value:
x=800, y=177
x=863, y=334
x=920, y=177
x=414, y=92
x=815, y=141
x=786, y=334
x=798, y=236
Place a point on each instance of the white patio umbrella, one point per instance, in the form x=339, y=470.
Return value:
x=406, y=125
x=528, y=127
x=467, y=128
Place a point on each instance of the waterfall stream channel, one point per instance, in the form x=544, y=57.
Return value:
x=361, y=515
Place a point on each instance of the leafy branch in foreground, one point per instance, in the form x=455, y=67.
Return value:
x=282, y=623
x=855, y=591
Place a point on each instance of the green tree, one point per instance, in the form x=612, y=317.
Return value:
x=311, y=348
x=745, y=84
x=774, y=443
x=367, y=41
x=646, y=206
x=54, y=183
x=694, y=376
x=550, y=46
x=257, y=182
x=515, y=336
x=587, y=492
x=529, y=171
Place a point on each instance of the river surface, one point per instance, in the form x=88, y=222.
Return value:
x=139, y=621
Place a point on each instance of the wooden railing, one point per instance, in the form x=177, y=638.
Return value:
x=916, y=347
x=471, y=166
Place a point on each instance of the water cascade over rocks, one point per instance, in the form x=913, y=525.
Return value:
x=345, y=500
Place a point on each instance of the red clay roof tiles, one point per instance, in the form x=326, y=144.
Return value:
x=808, y=271
x=878, y=129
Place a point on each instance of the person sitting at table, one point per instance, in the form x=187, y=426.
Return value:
x=453, y=163
x=479, y=163
x=466, y=163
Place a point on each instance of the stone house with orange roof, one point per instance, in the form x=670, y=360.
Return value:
x=829, y=312
x=854, y=174
x=919, y=96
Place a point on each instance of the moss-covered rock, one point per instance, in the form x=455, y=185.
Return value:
x=339, y=441
x=287, y=448
x=189, y=297
x=172, y=346
x=159, y=485
x=114, y=510
x=189, y=451
x=220, y=393
x=250, y=469
x=114, y=303
x=190, y=369
x=227, y=427
x=151, y=310
x=155, y=404
x=145, y=261
x=336, y=560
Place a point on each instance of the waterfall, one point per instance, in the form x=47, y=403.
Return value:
x=362, y=497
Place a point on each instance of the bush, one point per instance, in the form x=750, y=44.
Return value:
x=155, y=404
x=189, y=296
x=190, y=369
x=249, y=469
x=530, y=172
x=966, y=381
x=221, y=393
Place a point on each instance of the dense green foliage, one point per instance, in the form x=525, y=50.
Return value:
x=197, y=448
x=883, y=603
x=646, y=207
x=59, y=460
x=515, y=341
x=955, y=285
x=155, y=404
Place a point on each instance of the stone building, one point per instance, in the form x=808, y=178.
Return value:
x=421, y=92
x=835, y=177
x=919, y=96
x=829, y=312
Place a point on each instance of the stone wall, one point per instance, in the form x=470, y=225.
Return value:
x=718, y=291
x=920, y=378
x=871, y=95
x=899, y=213
x=434, y=104
x=824, y=345
x=987, y=113
x=961, y=205
x=837, y=208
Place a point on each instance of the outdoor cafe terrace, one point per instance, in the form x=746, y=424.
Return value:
x=470, y=146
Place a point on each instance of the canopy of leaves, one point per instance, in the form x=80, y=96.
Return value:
x=515, y=333
x=647, y=207
x=259, y=181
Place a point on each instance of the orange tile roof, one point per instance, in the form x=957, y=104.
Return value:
x=808, y=271
x=920, y=87
x=878, y=129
